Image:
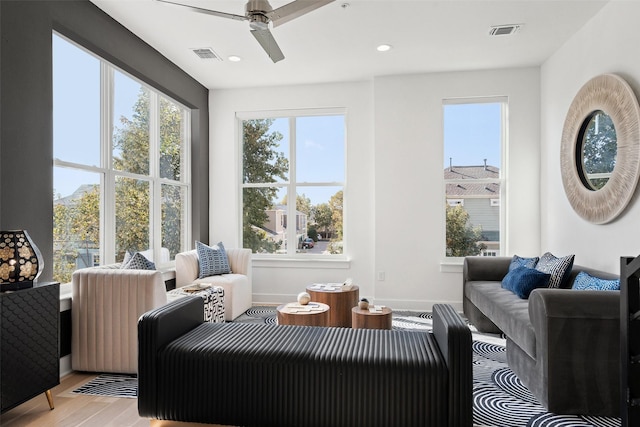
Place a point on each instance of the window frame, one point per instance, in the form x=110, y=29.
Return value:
x=109, y=175
x=502, y=180
x=291, y=185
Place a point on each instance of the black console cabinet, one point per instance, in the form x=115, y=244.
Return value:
x=29, y=343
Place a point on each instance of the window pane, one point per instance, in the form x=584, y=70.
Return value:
x=76, y=221
x=76, y=104
x=131, y=125
x=264, y=227
x=265, y=151
x=132, y=216
x=171, y=139
x=173, y=220
x=472, y=147
x=320, y=149
x=319, y=211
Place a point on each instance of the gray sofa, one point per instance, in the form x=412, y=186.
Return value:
x=563, y=344
x=262, y=375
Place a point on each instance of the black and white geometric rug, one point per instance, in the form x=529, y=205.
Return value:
x=111, y=385
x=499, y=398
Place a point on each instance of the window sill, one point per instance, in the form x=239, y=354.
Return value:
x=320, y=263
x=451, y=265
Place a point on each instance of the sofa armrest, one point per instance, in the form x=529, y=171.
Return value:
x=187, y=268
x=454, y=340
x=485, y=268
x=240, y=261
x=577, y=332
x=156, y=329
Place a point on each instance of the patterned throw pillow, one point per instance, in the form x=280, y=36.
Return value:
x=559, y=268
x=517, y=261
x=522, y=280
x=139, y=262
x=213, y=260
x=586, y=282
x=127, y=258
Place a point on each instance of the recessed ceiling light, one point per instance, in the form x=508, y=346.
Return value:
x=384, y=48
x=234, y=58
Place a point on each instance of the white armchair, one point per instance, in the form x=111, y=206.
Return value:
x=105, y=307
x=237, y=285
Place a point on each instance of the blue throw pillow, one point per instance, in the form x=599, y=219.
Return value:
x=558, y=268
x=584, y=281
x=522, y=280
x=139, y=262
x=212, y=260
x=517, y=261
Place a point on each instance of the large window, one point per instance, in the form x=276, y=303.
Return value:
x=474, y=134
x=121, y=155
x=294, y=156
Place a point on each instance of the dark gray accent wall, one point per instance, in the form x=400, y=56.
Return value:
x=26, y=126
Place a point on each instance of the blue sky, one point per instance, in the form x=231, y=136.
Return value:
x=472, y=133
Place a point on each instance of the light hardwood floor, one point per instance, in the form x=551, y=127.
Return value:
x=75, y=409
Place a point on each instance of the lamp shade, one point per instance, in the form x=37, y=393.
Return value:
x=20, y=260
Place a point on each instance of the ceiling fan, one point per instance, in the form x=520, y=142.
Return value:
x=259, y=13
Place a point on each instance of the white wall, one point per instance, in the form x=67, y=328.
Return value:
x=606, y=44
x=409, y=195
x=395, y=193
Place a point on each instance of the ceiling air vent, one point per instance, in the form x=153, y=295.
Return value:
x=504, y=30
x=206, y=53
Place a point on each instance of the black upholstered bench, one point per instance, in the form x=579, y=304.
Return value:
x=262, y=375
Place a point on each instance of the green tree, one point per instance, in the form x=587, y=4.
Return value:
x=462, y=237
x=335, y=203
x=322, y=216
x=262, y=163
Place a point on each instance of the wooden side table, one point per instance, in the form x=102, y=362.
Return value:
x=340, y=302
x=289, y=314
x=365, y=319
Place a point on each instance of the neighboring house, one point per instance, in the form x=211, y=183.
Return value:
x=480, y=200
x=276, y=225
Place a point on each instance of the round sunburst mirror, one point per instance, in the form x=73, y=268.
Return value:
x=600, y=149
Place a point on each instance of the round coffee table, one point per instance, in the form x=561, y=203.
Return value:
x=366, y=319
x=293, y=314
x=338, y=299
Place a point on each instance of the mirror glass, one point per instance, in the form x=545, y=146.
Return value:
x=597, y=149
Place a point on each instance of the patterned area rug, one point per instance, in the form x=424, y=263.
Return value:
x=499, y=398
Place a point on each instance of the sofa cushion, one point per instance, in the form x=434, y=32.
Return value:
x=509, y=312
x=522, y=280
x=518, y=261
x=558, y=268
x=585, y=281
x=138, y=262
x=212, y=260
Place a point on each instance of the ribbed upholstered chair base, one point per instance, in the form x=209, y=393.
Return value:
x=105, y=307
x=261, y=375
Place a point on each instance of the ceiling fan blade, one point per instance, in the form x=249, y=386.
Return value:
x=294, y=10
x=207, y=11
x=269, y=44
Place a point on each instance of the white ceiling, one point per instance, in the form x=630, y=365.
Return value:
x=337, y=43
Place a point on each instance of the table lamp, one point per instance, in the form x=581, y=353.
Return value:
x=20, y=260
